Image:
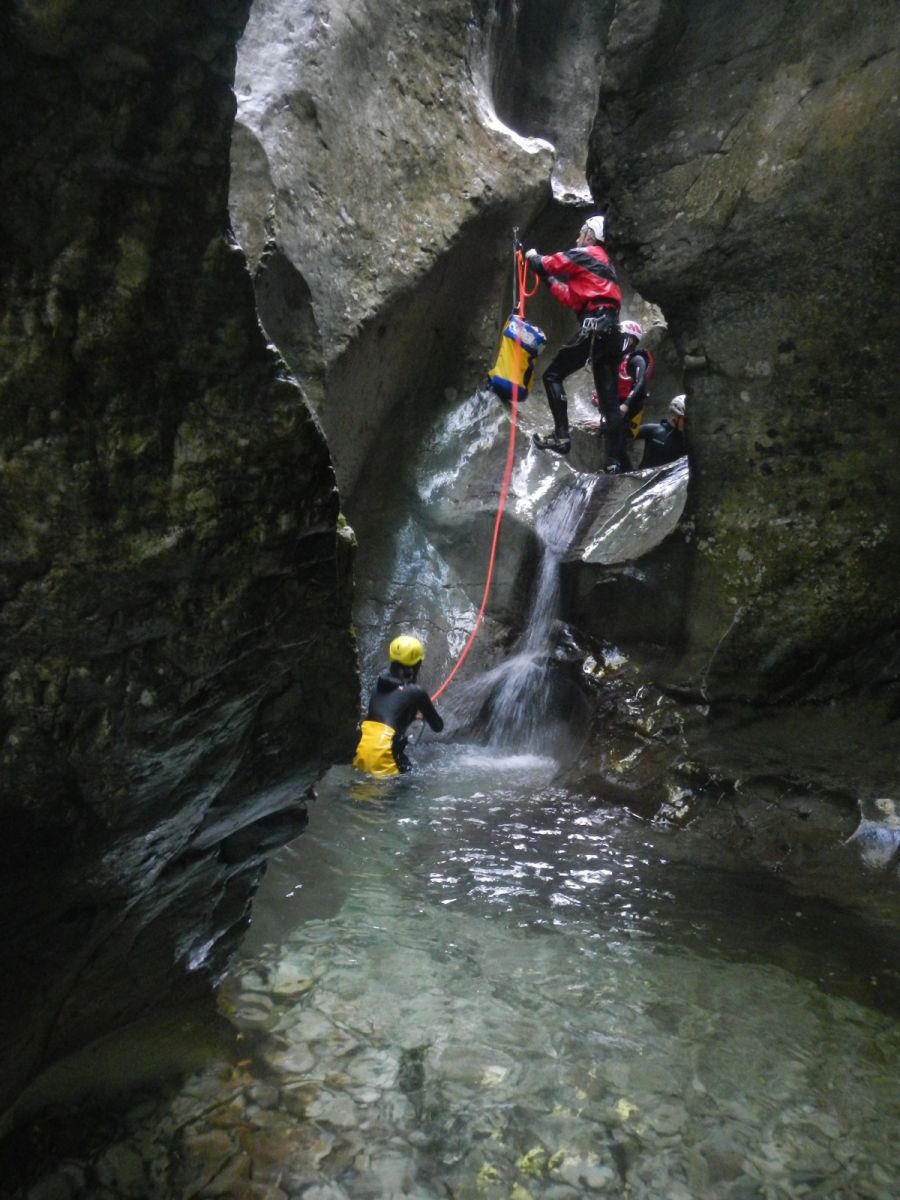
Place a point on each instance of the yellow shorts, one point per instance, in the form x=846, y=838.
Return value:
x=374, y=754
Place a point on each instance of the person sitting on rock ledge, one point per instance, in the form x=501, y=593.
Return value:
x=395, y=702
x=664, y=440
x=584, y=280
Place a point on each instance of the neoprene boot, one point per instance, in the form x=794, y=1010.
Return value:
x=559, y=440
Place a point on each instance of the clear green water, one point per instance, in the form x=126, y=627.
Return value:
x=469, y=984
x=513, y=993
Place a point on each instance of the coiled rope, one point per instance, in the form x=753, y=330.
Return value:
x=520, y=278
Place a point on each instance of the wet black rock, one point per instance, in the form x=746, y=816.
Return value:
x=173, y=590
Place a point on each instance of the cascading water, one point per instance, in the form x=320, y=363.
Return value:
x=520, y=694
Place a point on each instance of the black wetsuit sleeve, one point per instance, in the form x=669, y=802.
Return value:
x=651, y=433
x=664, y=444
x=637, y=368
x=429, y=712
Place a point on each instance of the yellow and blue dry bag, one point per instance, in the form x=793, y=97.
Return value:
x=520, y=344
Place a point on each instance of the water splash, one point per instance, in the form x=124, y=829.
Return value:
x=521, y=699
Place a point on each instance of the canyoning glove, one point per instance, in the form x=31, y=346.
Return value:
x=534, y=261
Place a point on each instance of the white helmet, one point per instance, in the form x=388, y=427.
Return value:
x=597, y=227
x=632, y=329
x=676, y=405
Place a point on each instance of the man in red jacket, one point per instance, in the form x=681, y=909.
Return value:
x=584, y=280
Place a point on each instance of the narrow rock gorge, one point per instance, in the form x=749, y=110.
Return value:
x=256, y=259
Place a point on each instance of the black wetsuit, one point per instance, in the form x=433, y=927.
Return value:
x=636, y=369
x=396, y=703
x=602, y=350
x=663, y=443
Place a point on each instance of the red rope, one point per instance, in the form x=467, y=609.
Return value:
x=522, y=276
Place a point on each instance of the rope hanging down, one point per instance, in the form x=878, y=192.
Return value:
x=521, y=293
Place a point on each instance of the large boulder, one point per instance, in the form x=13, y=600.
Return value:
x=375, y=189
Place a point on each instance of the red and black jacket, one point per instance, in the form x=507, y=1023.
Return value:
x=582, y=278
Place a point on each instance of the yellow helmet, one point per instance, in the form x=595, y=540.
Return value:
x=408, y=651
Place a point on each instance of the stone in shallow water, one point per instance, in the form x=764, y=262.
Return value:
x=295, y=1061
x=251, y=981
x=66, y=1184
x=373, y=1068
x=289, y=981
x=334, y=1109
x=260, y=1191
x=122, y=1170
x=253, y=1010
x=206, y=1153
x=387, y=1172
x=667, y=1119
x=264, y=1095
x=579, y=1172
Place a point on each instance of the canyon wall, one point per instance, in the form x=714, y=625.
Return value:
x=174, y=592
x=750, y=155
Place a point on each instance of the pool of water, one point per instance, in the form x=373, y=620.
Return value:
x=469, y=983
x=504, y=991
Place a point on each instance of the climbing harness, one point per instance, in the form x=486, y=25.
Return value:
x=520, y=329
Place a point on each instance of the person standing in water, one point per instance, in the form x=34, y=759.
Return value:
x=395, y=702
x=584, y=280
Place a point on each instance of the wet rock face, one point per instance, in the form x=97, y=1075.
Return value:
x=375, y=187
x=172, y=595
x=748, y=154
x=751, y=156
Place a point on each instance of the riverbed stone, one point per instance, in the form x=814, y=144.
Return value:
x=373, y=1068
x=584, y=1173
x=290, y=981
x=123, y=1170
x=254, y=1010
x=334, y=1109
x=295, y=1061
x=208, y=1154
x=66, y=1184
x=259, y=1191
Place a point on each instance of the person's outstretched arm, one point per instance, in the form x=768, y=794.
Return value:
x=429, y=712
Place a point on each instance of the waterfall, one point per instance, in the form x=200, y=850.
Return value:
x=520, y=694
